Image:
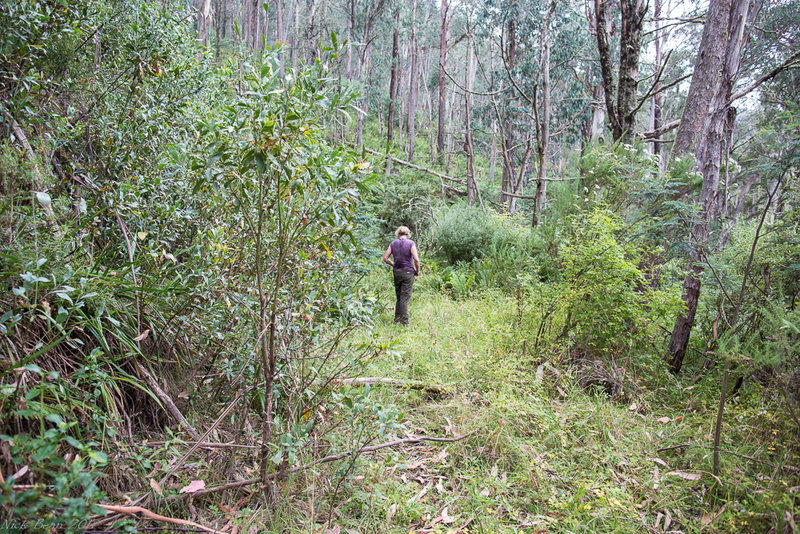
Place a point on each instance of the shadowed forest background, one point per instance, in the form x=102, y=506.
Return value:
x=196, y=328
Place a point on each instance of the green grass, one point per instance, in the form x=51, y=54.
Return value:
x=547, y=456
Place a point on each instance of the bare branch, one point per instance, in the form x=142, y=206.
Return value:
x=661, y=131
x=413, y=166
x=771, y=74
x=136, y=510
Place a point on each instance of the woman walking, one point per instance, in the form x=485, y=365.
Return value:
x=405, y=267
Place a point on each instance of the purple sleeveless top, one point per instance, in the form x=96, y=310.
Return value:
x=401, y=251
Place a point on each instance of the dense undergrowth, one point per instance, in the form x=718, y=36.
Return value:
x=188, y=255
x=551, y=455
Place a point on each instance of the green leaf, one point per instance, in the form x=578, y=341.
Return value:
x=98, y=456
x=54, y=418
x=43, y=198
x=260, y=162
x=44, y=452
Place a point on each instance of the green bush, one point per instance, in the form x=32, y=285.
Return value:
x=461, y=233
x=608, y=304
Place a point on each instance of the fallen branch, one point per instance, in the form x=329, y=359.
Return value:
x=394, y=382
x=167, y=402
x=203, y=444
x=325, y=460
x=200, y=440
x=416, y=167
x=136, y=510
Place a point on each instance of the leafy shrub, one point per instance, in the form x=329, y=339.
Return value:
x=462, y=233
x=608, y=305
x=72, y=475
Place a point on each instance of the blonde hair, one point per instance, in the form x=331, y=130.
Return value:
x=402, y=230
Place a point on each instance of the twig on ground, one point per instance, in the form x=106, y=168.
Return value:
x=136, y=510
x=199, y=441
x=202, y=444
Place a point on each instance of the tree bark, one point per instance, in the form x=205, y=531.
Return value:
x=253, y=25
x=709, y=161
x=392, y=89
x=442, y=67
x=203, y=21
x=364, y=56
x=655, y=110
x=218, y=22
x=280, y=34
x=705, y=78
x=413, y=87
x=509, y=171
x=633, y=12
x=622, y=112
x=469, y=144
x=543, y=140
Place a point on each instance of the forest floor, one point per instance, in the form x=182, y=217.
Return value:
x=546, y=455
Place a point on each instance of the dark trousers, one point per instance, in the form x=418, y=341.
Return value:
x=403, y=283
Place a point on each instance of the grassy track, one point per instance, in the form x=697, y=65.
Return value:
x=546, y=455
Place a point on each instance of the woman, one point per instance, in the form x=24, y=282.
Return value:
x=405, y=267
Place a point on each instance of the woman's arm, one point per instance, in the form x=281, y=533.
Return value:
x=386, y=256
x=416, y=258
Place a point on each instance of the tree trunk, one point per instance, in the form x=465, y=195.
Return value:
x=469, y=144
x=450, y=119
x=218, y=22
x=442, y=67
x=705, y=78
x=392, y=90
x=413, y=87
x=606, y=68
x=224, y=16
x=245, y=36
x=253, y=24
x=709, y=161
x=280, y=35
x=622, y=113
x=493, y=152
x=363, y=72
x=633, y=12
x=508, y=142
x=293, y=44
x=543, y=140
x=351, y=23
x=203, y=22
x=655, y=110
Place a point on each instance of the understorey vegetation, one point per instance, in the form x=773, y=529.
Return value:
x=196, y=328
